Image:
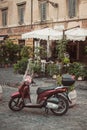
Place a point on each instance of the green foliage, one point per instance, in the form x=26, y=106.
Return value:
x=9, y=52
x=61, y=48
x=85, y=49
x=12, y=51
x=40, y=52
x=37, y=67
x=52, y=69
x=21, y=66
x=66, y=60
x=59, y=80
x=26, y=52
x=43, y=53
x=77, y=69
x=11, y=47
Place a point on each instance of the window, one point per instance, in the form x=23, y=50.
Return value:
x=72, y=8
x=43, y=10
x=21, y=42
x=21, y=9
x=4, y=17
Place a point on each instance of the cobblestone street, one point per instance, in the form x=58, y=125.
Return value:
x=36, y=119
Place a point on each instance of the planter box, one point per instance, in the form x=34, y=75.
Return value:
x=73, y=97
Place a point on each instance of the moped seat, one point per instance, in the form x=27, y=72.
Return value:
x=43, y=89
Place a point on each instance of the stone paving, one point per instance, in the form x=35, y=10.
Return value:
x=36, y=119
x=8, y=77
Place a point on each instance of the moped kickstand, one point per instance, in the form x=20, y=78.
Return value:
x=47, y=111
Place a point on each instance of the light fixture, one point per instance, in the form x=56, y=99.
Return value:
x=55, y=5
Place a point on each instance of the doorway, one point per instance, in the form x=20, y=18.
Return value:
x=72, y=50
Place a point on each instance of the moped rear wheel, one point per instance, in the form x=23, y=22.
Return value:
x=16, y=104
x=63, y=106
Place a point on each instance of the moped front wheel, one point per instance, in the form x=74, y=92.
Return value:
x=16, y=104
x=63, y=106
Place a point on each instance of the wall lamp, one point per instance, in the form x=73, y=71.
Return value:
x=55, y=5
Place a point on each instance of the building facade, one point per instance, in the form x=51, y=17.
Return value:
x=20, y=16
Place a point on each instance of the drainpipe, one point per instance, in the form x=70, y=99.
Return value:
x=31, y=14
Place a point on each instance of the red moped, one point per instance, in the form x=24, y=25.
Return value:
x=51, y=98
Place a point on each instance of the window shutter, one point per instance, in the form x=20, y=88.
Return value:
x=4, y=17
x=72, y=8
x=21, y=9
x=43, y=11
x=22, y=14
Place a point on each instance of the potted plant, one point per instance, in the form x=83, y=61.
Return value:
x=52, y=69
x=78, y=70
x=63, y=80
x=37, y=68
x=20, y=66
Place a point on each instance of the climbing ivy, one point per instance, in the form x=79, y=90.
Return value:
x=61, y=48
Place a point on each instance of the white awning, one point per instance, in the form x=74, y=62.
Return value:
x=45, y=34
x=78, y=34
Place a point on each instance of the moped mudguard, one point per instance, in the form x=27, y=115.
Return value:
x=16, y=94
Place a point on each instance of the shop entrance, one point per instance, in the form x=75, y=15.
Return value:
x=72, y=50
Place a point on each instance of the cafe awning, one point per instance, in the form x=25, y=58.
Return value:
x=76, y=34
x=45, y=34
